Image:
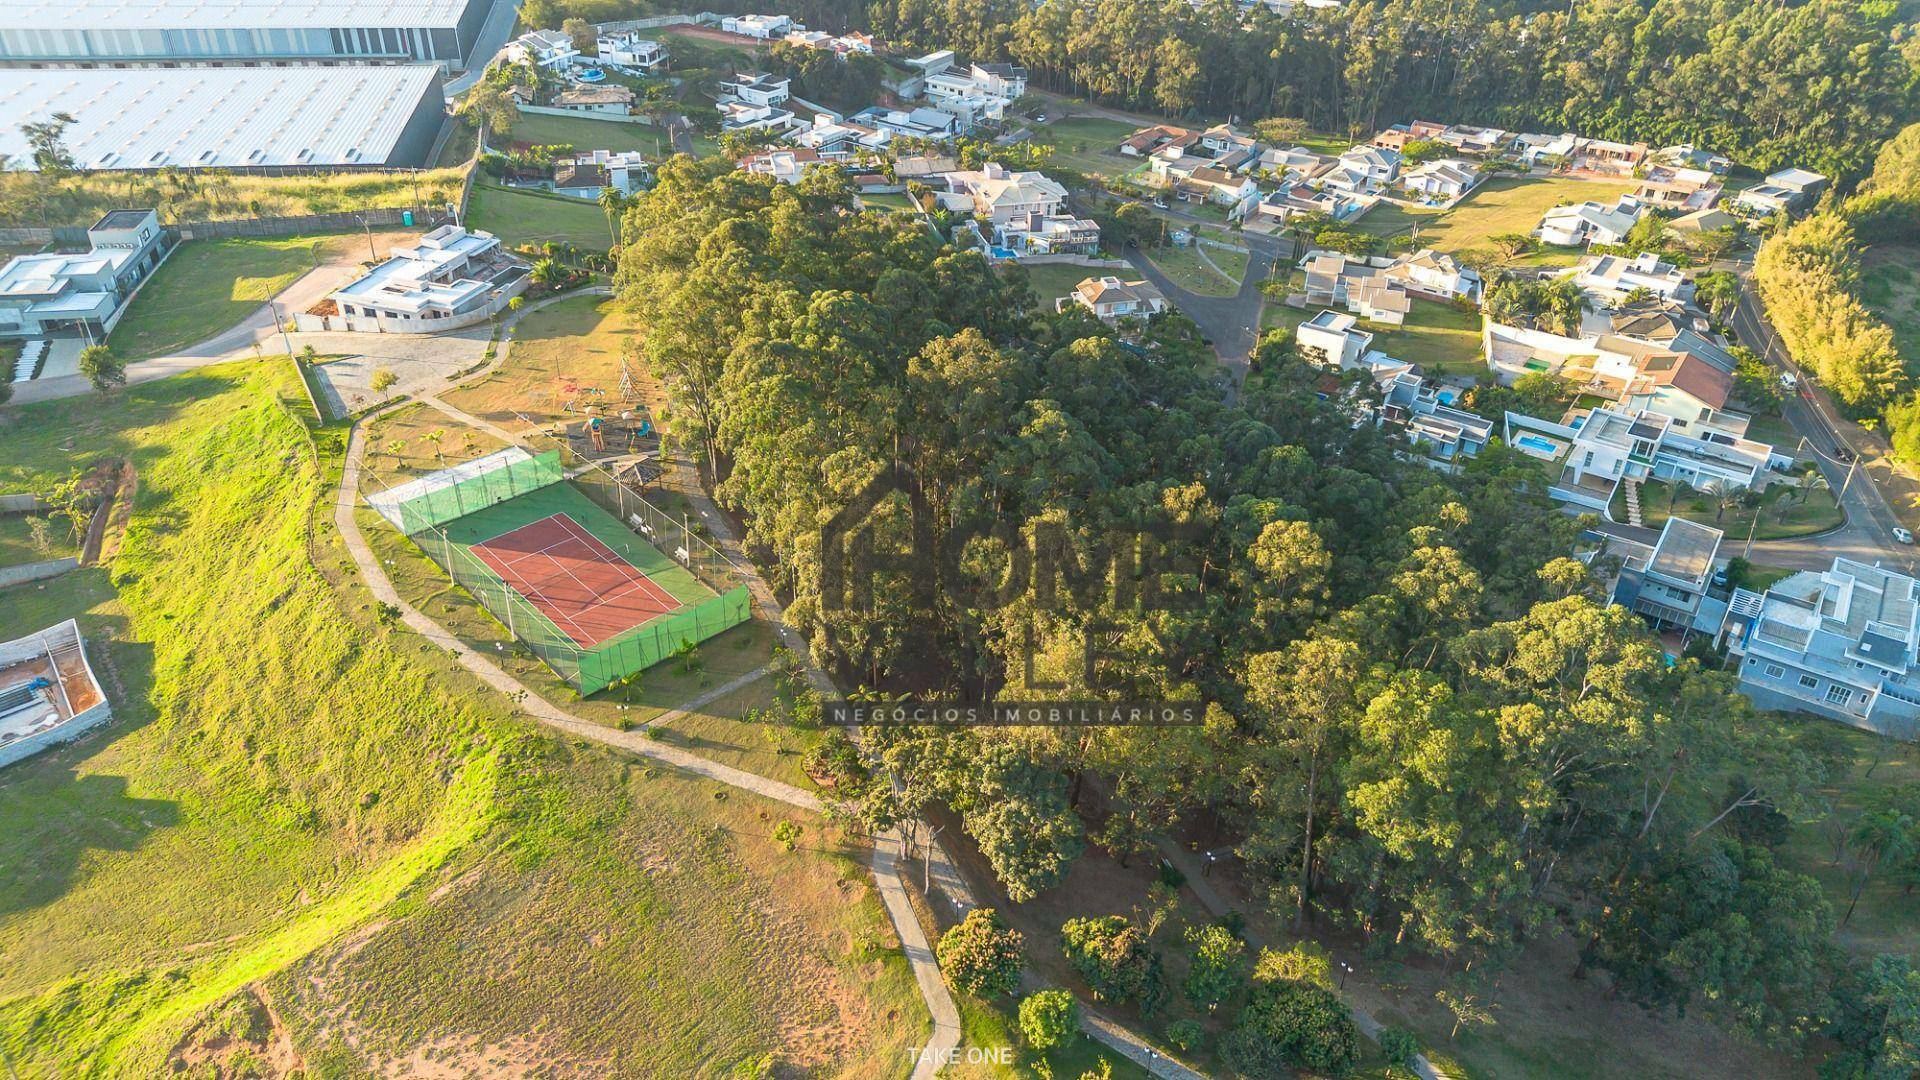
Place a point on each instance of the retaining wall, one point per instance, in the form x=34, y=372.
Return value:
x=21, y=573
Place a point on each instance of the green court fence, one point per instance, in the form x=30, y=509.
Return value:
x=587, y=670
x=475, y=493
x=673, y=536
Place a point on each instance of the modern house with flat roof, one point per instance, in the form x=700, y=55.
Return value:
x=1667, y=581
x=1838, y=643
x=84, y=294
x=451, y=278
x=47, y=33
x=253, y=119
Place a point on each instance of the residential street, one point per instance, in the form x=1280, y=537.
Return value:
x=1868, y=534
x=1232, y=323
x=493, y=37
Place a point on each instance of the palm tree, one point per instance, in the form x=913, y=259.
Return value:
x=1724, y=495
x=611, y=203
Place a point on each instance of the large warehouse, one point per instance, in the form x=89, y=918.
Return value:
x=200, y=31
x=268, y=119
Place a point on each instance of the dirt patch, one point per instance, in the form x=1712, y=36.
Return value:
x=240, y=1037
x=470, y=1059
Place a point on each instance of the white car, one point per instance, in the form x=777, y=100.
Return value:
x=1902, y=535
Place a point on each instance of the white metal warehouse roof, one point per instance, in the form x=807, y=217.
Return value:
x=149, y=118
x=231, y=14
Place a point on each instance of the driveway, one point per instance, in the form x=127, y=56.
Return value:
x=421, y=363
x=1232, y=323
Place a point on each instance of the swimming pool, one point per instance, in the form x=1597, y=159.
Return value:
x=1535, y=442
x=590, y=75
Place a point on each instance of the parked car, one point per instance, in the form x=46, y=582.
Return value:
x=1902, y=535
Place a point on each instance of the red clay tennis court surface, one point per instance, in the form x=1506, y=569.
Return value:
x=568, y=575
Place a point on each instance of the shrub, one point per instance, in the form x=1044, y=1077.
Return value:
x=981, y=956
x=1293, y=1025
x=1304, y=963
x=1186, y=1035
x=787, y=835
x=1049, y=1018
x=1398, y=1046
x=382, y=379
x=1215, y=971
x=1116, y=959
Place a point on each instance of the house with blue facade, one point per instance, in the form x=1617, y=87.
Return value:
x=1838, y=643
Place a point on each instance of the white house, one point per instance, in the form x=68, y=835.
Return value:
x=1447, y=179
x=82, y=294
x=543, y=48
x=1332, y=339
x=1788, y=191
x=1839, y=643
x=921, y=123
x=1381, y=167
x=450, y=279
x=786, y=166
x=834, y=138
x=755, y=88
x=627, y=49
x=1587, y=223
x=998, y=194
x=741, y=116
x=1111, y=299
x=625, y=171
x=1430, y=273
x=1610, y=278
x=764, y=27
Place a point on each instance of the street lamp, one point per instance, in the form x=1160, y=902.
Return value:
x=1346, y=969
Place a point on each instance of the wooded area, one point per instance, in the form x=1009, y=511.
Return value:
x=1420, y=726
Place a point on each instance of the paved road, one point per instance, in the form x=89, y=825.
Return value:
x=1867, y=535
x=493, y=37
x=1232, y=323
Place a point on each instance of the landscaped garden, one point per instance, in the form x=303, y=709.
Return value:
x=1783, y=510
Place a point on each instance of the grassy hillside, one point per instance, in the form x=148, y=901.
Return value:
x=309, y=839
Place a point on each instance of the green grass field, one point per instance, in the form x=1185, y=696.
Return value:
x=1088, y=144
x=1888, y=911
x=208, y=286
x=1782, y=511
x=1439, y=337
x=300, y=803
x=1501, y=205
x=586, y=133
x=1052, y=281
x=1187, y=271
x=17, y=540
x=526, y=217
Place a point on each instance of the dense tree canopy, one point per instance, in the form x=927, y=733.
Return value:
x=1818, y=84
x=1417, y=722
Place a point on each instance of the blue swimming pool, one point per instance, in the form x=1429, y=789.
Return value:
x=1535, y=442
x=591, y=75
x=1002, y=253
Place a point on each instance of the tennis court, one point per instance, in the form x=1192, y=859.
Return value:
x=574, y=579
x=598, y=597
